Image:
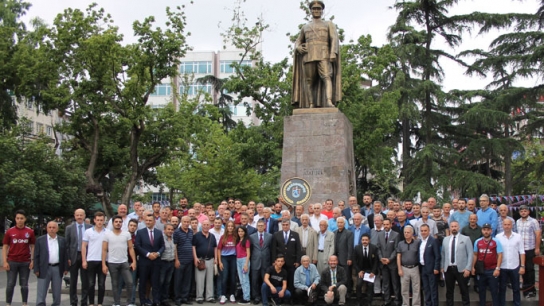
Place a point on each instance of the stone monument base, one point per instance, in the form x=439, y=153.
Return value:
x=318, y=147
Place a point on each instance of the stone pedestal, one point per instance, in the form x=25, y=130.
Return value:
x=318, y=147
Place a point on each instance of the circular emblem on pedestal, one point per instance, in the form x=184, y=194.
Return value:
x=296, y=191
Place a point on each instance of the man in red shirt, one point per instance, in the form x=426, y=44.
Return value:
x=489, y=251
x=327, y=208
x=17, y=254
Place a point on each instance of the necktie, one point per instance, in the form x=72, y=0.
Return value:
x=286, y=238
x=334, y=277
x=261, y=242
x=151, y=237
x=265, y=225
x=386, y=237
x=452, y=259
x=79, y=236
x=366, y=254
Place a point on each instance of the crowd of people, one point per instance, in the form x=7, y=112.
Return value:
x=235, y=253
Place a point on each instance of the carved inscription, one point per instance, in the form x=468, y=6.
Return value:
x=313, y=172
x=330, y=122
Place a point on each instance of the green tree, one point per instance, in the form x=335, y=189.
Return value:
x=433, y=164
x=373, y=113
x=213, y=168
x=105, y=86
x=34, y=178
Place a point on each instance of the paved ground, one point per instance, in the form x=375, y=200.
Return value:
x=108, y=300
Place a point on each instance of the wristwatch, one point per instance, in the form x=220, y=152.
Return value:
x=497, y=268
x=522, y=267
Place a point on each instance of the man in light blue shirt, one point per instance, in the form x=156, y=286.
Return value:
x=462, y=215
x=336, y=212
x=486, y=214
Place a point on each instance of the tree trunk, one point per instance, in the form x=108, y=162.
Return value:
x=136, y=170
x=106, y=205
x=507, y=166
x=406, y=145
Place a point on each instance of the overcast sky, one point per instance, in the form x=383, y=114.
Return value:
x=206, y=19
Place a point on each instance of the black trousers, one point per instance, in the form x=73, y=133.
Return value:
x=365, y=300
x=529, y=276
x=452, y=275
x=75, y=269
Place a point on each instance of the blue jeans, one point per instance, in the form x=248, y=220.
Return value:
x=228, y=275
x=265, y=293
x=511, y=275
x=244, y=277
x=21, y=269
x=488, y=280
x=182, y=281
x=167, y=269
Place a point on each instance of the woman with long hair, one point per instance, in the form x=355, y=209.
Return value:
x=226, y=255
x=243, y=253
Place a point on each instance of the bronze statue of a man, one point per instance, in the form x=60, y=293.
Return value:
x=316, y=70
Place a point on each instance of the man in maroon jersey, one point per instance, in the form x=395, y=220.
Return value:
x=17, y=254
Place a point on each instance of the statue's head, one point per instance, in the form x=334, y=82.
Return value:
x=320, y=3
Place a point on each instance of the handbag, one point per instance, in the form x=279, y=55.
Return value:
x=479, y=266
x=201, y=261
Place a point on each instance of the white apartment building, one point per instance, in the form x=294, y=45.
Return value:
x=41, y=123
x=197, y=65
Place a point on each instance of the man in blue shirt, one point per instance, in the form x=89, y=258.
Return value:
x=486, y=214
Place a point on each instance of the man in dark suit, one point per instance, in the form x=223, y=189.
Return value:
x=270, y=224
x=74, y=238
x=387, y=250
x=343, y=249
x=50, y=264
x=377, y=206
x=347, y=212
x=430, y=267
x=333, y=282
x=261, y=242
x=244, y=222
x=365, y=260
x=149, y=245
x=287, y=242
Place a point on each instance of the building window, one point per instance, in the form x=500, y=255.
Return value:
x=162, y=90
x=226, y=66
x=49, y=130
x=29, y=104
x=194, y=89
x=29, y=127
x=201, y=67
x=39, y=128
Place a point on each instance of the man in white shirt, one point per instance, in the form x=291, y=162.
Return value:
x=116, y=246
x=50, y=263
x=91, y=256
x=260, y=213
x=426, y=220
x=122, y=211
x=317, y=217
x=513, y=253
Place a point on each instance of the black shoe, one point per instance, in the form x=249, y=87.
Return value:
x=256, y=301
x=200, y=301
x=211, y=301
